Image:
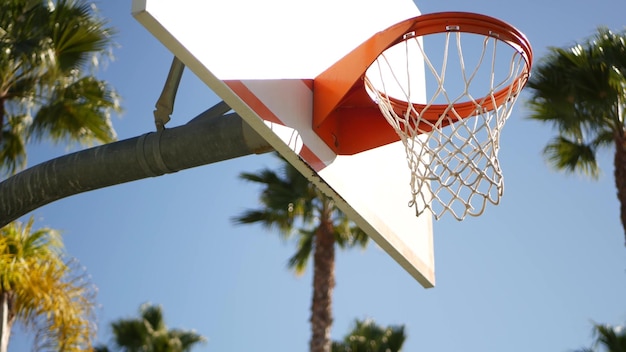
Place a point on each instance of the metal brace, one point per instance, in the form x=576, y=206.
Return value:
x=165, y=103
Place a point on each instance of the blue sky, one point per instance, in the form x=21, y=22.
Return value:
x=530, y=274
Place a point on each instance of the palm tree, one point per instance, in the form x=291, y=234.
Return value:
x=366, y=336
x=148, y=333
x=294, y=206
x=581, y=91
x=48, y=53
x=41, y=290
x=607, y=338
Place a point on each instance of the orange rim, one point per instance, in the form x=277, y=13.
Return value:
x=476, y=24
x=340, y=88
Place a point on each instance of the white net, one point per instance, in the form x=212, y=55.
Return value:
x=452, y=137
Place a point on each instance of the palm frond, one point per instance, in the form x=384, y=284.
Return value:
x=77, y=34
x=570, y=88
x=65, y=320
x=129, y=333
x=284, y=199
x=368, y=336
x=78, y=112
x=581, y=92
x=12, y=149
x=291, y=204
x=271, y=220
x=48, y=53
x=187, y=338
x=348, y=235
x=53, y=295
x=150, y=333
x=304, y=249
x=607, y=338
x=604, y=139
x=153, y=315
x=611, y=337
x=571, y=156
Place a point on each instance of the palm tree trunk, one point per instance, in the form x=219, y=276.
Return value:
x=2, y=112
x=323, y=284
x=620, y=174
x=7, y=318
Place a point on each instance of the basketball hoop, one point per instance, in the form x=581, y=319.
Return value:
x=451, y=136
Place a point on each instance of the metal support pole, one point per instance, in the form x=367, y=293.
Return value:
x=165, y=103
x=210, y=138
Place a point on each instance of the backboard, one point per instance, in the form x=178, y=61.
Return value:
x=261, y=58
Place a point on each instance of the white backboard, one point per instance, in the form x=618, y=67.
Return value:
x=261, y=58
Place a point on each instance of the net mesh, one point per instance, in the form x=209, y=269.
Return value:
x=451, y=138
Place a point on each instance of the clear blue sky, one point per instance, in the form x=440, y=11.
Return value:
x=529, y=275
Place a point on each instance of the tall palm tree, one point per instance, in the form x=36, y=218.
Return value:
x=366, y=336
x=49, y=51
x=581, y=91
x=43, y=291
x=295, y=207
x=148, y=333
x=607, y=339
